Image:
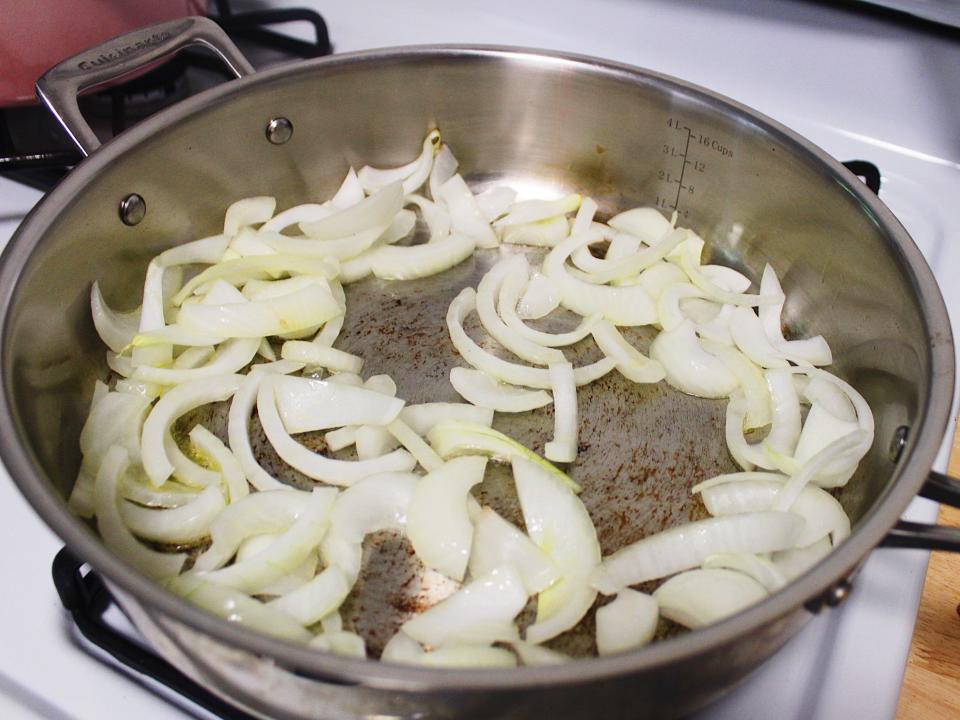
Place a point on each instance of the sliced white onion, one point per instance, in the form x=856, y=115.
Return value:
x=316, y=598
x=494, y=202
x=727, y=278
x=188, y=470
x=760, y=569
x=306, y=404
x=486, y=392
x=813, y=351
x=656, y=278
x=560, y=525
x=262, y=513
x=415, y=445
x=412, y=175
x=152, y=318
x=629, y=622
x=232, y=356
x=820, y=428
x=348, y=194
x=690, y=252
x=402, y=648
x=182, y=525
x=686, y=546
x=341, y=248
x=308, y=212
x=205, y=251
x=112, y=528
x=211, y=446
x=822, y=514
x=444, y=167
x=819, y=391
x=238, y=607
x=847, y=449
x=311, y=464
x=438, y=525
x=284, y=554
x=340, y=643
x=753, y=384
x=700, y=597
x=117, y=330
x=341, y=438
x=747, y=455
x=747, y=332
x=533, y=655
x=315, y=355
x=785, y=428
x=509, y=298
x=628, y=305
x=497, y=542
x=527, y=211
x=422, y=417
x=378, y=210
x=688, y=367
x=631, y=363
x=563, y=446
x=378, y=502
x=480, y=612
x=249, y=211
x=508, y=372
x=415, y=261
x=796, y=561
x=434, y=215
x=452, y=438
x=116, y=418
x=668, y=304
x=645, y=223
x=642, y=259
x=736, y=477
x=540, y=298
x=543, y=233
x=465, y=215
x=140, y=490
x=373, y=441
x=464, y=655
x=172, y=405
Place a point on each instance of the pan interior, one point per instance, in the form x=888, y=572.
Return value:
x=541, y=125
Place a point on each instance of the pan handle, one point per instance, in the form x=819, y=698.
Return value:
x=58, y=87
x=905, y=534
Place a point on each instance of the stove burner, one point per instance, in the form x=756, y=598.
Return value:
x=87, y=599
x=34, y=149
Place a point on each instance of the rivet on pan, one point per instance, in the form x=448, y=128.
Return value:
x=132, y=209
x=838, y=593
x=898, y=442
x=279, y=130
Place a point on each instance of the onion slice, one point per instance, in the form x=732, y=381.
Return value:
x=117, y=330
x=486, y=392
x=179, y=526
x=307, y=404
x=563, y=446
x=700, y=597
x=497, y=542
x=629, y=622
x=416, y=261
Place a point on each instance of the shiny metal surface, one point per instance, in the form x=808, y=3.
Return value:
x=541, y=123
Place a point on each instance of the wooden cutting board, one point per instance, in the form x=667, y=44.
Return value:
x=931, y=684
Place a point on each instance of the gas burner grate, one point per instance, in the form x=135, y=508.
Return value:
x=34, y=149
x=87, y=599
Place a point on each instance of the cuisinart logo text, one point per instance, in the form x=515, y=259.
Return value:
x=120, y=53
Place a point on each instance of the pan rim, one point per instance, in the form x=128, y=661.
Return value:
x=908, y=476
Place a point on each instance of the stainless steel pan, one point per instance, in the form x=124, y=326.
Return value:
x=755, y=190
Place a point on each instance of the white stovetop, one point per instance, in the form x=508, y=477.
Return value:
x=859, y=86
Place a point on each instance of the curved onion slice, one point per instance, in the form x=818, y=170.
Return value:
x=627, y=305
x=285, y=553
x=497, y=542
x=415, y=445
x=481, y=612
x=543, y=233
x=306, y=212
x=822, y=514
x=340, y=642
x=309, y=307
x=752, y=382
x=668, y=304
x=690, y=252
x=378, y=210
x=527, y=211
x=629, y=622
x=311, y=464
x=699, y=597
x=237, y=607
x=421, y=418
x=508, y=372
x=249, y=211
x=307, y=404
x=465, y=655
x=560, y=525
x=444, y=167
x=540, y=298
x=415, y=261
x=115, y=418
x=314, y=355
x=639, y=261
x=813, y=351
x=510, y=289
x=688, y=367
x=736, y=477
x=263, y=513
x=631, y=363
x=820, y=428
x=238, y=423
x=232, y=356
x=211, y=446
x=117, y=330
x=645, y=223
x=495, y=201
x=206, y=251
x=111, y=527
x=563, y=446
x=152, y=317
x=760, y=569
x=262, y=267
x=848, y=449
x=412, y=175
x=371, y=440
x=172, y=405
x=656, y=278
x=486, y=307
x=378, y=502
x=748, y=456
x=182, y=525
x=315, y=599
x=818, y=391
x=452, y=438
x=785, y=427
x=686, y=546
x=465, y=215
x=747, y=332
x=486, y=392
x=188, y=470
x=438, y=525
x=342, y=248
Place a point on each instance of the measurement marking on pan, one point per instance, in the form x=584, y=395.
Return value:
x=680, y=177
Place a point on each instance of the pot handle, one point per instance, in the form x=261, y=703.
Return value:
x=59, y=86
x=906, y=534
